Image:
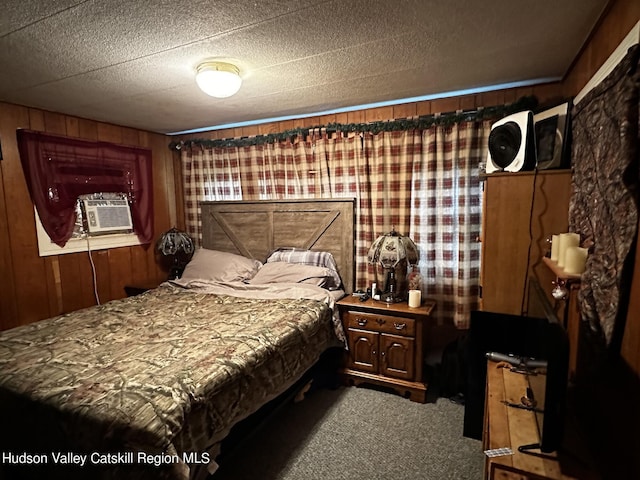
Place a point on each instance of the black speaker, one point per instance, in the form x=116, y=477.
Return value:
x=512, y=145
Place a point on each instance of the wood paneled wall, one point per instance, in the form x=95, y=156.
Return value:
x=34, y=287
x=611, y=29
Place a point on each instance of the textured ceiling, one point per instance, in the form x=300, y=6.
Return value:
x=132, y=63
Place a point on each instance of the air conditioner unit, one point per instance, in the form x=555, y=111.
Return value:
x=107, y=216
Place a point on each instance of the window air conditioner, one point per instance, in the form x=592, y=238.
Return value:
x=107, y=216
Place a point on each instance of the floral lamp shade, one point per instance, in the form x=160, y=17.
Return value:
x=178, y=247
x=394, y=252
x=391, y=248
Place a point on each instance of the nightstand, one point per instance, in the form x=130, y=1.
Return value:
x=386, y=344
x=138, y=288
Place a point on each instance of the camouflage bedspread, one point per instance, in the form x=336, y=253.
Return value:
x=166, y=373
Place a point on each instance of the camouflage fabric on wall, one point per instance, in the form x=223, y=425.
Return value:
x=604, y=203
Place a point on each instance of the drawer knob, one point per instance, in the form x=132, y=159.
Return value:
x=380, y=321
x=361, y=321
x=400, y=326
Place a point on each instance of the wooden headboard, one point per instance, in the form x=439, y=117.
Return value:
x=255, y=228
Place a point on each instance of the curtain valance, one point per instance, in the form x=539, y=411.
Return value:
x=58, y=169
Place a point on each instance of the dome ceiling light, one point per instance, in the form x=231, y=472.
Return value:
x=218, y=79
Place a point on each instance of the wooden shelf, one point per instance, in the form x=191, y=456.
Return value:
x=559, y=271
x=554, y=171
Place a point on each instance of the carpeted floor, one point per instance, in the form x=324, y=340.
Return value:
x=358, y=433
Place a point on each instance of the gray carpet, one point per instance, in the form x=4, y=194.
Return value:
x=358, y=433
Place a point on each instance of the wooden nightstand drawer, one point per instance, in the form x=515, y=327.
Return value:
x=380, y=323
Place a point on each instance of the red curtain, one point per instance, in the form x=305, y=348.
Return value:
x=58, y=169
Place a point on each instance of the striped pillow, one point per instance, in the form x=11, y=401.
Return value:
x=309, y=257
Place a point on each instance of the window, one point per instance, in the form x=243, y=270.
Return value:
x=59, y=170
x=83, y=238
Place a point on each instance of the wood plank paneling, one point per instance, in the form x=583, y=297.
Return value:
x=28, y=269
x=72, y=281
x=102, y=286
x=8, y=300
x=505, y=241
x=120, y=271
x=164, y=205
x=54, y=285
x=405, y=110
x=621, y=16
x=141, y=271
x=553, y=193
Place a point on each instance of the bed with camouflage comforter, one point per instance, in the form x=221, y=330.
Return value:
x=147, y=386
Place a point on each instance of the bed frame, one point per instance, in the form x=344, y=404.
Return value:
x=254, y=229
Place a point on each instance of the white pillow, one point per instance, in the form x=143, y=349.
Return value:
x=213, y=265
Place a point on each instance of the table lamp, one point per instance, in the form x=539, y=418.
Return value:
x=394, y=252
x=178, y=247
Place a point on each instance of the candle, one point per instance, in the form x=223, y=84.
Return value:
x=415, y=298
x=575, y=259
x=555, y=247
x=567, y=240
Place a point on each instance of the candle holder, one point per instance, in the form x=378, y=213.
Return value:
x=559, y=291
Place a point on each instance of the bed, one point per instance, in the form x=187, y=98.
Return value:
x=148, y=386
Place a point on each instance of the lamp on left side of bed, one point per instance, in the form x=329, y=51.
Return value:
x=178, y=248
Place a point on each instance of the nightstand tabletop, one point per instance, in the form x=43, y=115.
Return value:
x=375, y=306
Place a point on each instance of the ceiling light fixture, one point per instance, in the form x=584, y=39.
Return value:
x=218, y=79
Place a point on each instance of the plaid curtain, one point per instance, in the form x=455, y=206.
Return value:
x=212, y=174
x=387, y=180
x=423, y=184
x=446, y=217
x=285, y=170
x=342, y=166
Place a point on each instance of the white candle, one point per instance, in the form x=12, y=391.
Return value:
x=575, y=259
x=415, y=298
x=567, y=240
x=555, y=247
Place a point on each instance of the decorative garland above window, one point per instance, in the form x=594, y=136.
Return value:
x=419, y=123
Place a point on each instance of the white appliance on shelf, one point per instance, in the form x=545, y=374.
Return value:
x=512, y=144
